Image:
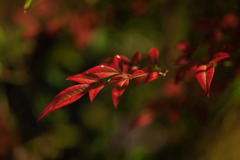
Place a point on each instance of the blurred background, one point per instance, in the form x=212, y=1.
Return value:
x=53, y=39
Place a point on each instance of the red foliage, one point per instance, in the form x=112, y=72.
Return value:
x=47, y=17
x=153, y=55
x=66, y=97
x=143, y=119
x=120, y=70
x=93, y=92
x=118, y=90
x=203, y=72
x=204, y=75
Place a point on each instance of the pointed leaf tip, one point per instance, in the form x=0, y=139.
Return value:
x=219, y=56
x=27, y=4
x=65, y=97
x=118, y=90
x=93, y=92
x=152, y=76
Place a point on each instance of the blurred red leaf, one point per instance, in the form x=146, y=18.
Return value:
x=204, y=75
x=181, y=73
x=118, y=90
x=219, y=56
x=181, y=60
x=229, y=20
x=102, y=71
x=183, y=46
x=136, y=58
x=139, y=80
x=153, y=55
x=87, y=78
x=143, y=120
x=65, y=97
x=93, y=92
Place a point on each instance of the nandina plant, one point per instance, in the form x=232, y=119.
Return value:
x=119, y=70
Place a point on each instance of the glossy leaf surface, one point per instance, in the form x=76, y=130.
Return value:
x=204, y=75
x=152, y=76
x=87, y=78
x=138, y=73
x=93, y=92
x=102, y=71
x=65, y=97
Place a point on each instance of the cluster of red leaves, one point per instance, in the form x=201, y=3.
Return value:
x=51, y=18
x=119, y=70
x=203, y=72
x=215, y=32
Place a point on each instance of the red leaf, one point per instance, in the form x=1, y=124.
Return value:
x=118, y=90
x=65, y=97
x=93, y=92
x=219, y=56
x=107, y=61
x=229, y=20
x=143, y=120
x=183, y=46
x=119, y=77
x=102, y=71
x=147, y=70
x=136, y=58
x=116, y=62
x=125, y=68
x=153, y=55
x=152, y=76
x=181, y=60
x=120, y=63
x=87, y=78
x=139, y=80
x=204, y=75
x=124, y=59
x=137, y=73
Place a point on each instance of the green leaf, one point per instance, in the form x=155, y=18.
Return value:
x=27, y=4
